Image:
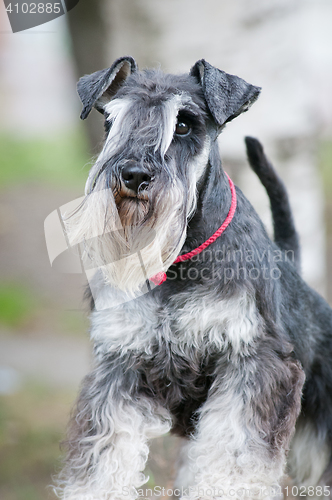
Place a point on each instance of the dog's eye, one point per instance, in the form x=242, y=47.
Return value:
x=182, y=128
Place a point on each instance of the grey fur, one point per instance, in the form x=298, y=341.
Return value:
x=220, y=351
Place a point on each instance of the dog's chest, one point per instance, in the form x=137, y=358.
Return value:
x=186, y=323
x=177, y=348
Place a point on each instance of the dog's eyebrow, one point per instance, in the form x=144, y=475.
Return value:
x=117, y=107
x=187, y=104
x=188, y=111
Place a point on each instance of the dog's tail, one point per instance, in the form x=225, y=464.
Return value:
x=285, y=234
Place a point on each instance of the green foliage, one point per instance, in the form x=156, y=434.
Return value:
x=32, y=424
x=325, y=163
x=51, y=160
x=74, y=323
x=16, y=305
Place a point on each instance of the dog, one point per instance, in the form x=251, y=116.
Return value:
x=201, y=324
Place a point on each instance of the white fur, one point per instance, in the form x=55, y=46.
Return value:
x=308, y=455
x=170, y=111
x=130, y=326
x=117, y=454
x=200, y=321
x=117, y=111
x=227, y=454
x=206, y=320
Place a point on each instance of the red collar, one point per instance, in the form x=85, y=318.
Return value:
x=159, y=278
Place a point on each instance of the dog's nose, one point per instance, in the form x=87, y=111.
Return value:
x=135, y=178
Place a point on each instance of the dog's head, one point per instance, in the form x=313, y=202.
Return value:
x=142, y=188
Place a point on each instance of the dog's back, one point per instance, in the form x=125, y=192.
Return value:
x=309, y=452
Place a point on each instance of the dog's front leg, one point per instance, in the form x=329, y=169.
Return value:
x=244, y=428
x=107, y=441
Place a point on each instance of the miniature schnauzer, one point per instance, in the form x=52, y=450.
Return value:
x=218, y=339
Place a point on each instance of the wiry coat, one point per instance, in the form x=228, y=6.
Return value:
x=219, y=352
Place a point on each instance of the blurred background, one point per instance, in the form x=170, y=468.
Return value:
x=284, y=46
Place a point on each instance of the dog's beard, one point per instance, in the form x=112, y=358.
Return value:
x=131, y=239
x=132, y=213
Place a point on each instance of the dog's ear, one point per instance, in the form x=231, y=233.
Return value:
x=226, y=95
x=97, y=89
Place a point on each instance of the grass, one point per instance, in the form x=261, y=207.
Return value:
x=32, y=423
x=325, y=165
x=21, y=310
x=46, y=160
x=73, y=323
x=50, y=160
x=17, y=305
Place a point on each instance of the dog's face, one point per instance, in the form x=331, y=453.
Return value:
x=156, y=147
x=142, y=189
